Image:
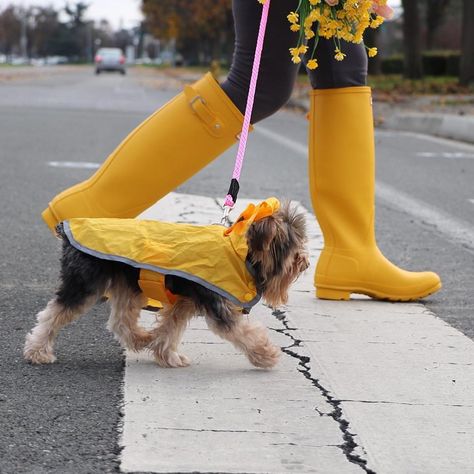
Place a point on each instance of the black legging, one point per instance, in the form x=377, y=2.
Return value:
x=277, y=72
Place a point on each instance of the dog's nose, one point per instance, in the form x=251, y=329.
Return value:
x=304, y=263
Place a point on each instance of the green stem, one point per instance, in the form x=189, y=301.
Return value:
x=316, y=41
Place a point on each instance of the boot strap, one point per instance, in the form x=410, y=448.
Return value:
x=200, y=107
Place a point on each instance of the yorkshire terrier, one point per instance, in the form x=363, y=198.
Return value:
x=277, y=252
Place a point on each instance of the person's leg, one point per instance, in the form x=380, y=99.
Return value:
x=277, y=73
x=342, y=175
x=162, y=152
x=191, y=130
x=332, y=74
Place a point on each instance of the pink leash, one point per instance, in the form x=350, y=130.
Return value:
x=231, y=197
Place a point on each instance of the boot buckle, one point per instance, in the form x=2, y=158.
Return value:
x=200, y=107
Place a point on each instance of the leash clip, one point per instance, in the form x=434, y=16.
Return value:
x=225, y=220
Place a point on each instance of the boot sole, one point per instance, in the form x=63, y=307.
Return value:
x=344, y=294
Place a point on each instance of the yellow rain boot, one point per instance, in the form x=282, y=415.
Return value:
x=342, y=175
x=161, y=153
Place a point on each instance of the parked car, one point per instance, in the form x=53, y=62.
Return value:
x=109, y=59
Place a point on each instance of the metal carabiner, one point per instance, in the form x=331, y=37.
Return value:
x=225, y=216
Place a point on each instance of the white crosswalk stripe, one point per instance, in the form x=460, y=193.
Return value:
x=400, y=377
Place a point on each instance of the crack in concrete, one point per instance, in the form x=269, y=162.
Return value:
x=349, y=445
x=306, y=445
x=165, y=428
x=387, y=402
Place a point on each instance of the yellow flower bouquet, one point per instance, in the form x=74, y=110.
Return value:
x=337, y=19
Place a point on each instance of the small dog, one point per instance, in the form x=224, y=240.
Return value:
x=276, y=250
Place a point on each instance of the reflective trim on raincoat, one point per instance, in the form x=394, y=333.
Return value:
x=213, y=256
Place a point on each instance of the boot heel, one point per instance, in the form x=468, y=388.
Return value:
x=331, y=294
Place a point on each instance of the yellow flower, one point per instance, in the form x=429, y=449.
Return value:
x=308, y=22
x=262, y=1
x=312, y=64
x=372, y=52
x=315, y=15
x=296, y=59
x=347, y=22
x=302, y=49
x=339, y=56
x=293, y=17
x=376, y=22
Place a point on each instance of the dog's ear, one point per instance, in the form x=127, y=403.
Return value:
x=261, y=234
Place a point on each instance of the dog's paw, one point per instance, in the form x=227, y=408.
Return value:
x=37, y=352
x=39, y=356
x=171, y=359
x=266, y=356
x=185, y=360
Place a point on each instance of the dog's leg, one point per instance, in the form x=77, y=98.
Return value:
x=83, y=282
x=225, y=320
x=40, y=341
x=167, y=336
x=126, y=303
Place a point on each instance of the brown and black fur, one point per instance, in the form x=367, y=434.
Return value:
x=276, y=251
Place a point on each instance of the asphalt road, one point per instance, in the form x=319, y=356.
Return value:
x=65, y=418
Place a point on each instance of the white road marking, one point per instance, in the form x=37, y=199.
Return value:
x=429, y=138
x=402, y=377
x=454, y=229
x=74, y=164
x=282, y=140
x=457, y=155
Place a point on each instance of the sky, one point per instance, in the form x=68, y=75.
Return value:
x=116, y=12
x=124, y=13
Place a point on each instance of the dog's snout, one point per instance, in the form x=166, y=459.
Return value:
x=302, y=262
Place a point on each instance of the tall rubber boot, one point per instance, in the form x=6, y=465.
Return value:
x=161, y=153
x=342, y=176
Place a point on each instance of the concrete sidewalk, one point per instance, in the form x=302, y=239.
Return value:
x=455, y=127
x=363, y=386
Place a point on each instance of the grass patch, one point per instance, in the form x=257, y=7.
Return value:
x=397, y=84
x=428, y=85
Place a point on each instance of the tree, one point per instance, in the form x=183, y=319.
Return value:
x=44, y=31
x=200, y=27
x=435, y=15
x=76, y=13
x=10, y=30
x=80, y=29
x=412, y=39
x=39, y=32
x=467, y=49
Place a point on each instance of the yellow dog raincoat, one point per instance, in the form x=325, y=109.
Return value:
x=213, y=256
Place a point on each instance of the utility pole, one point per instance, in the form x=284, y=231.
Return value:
x=89, y=42
x=467, y=48
x=23, y=34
